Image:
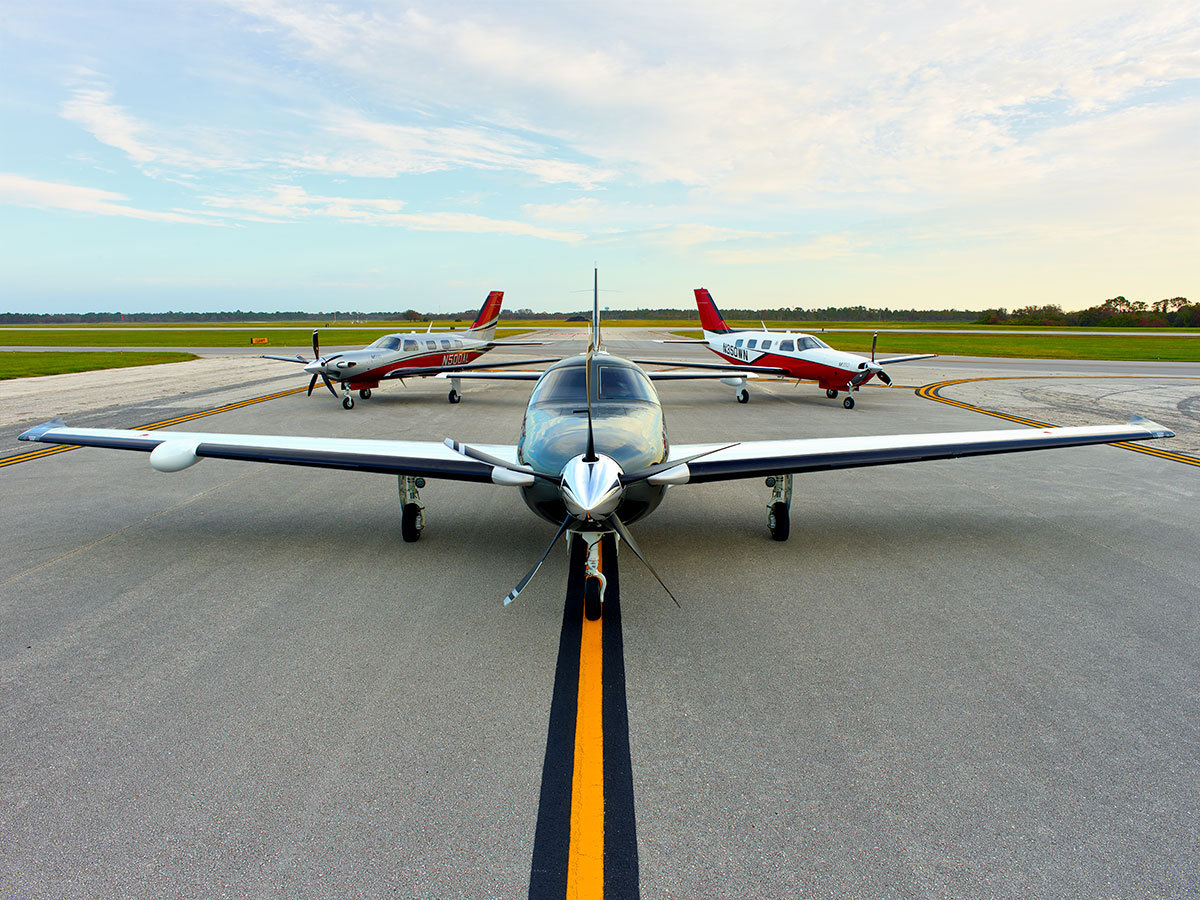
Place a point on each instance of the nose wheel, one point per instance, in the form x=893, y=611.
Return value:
x=348, y=402
x=848, y=403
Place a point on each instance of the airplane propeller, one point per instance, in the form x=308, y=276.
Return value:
x=877, y=369
x=319, y=364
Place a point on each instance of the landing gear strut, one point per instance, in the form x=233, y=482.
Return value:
x=347, y=397
x=594, y=581
x=779, y=506
x=412, y=519
x=455, y=394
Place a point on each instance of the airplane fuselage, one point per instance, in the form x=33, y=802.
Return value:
x=389, y=356
x=800, y=355
x=627, y=426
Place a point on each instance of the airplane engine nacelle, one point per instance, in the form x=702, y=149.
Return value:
x=172, y=456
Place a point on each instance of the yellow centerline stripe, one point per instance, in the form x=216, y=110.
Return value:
x=930, y=392
x=585, y=860
x=62, y=448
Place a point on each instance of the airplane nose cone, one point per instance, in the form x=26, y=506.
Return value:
x=315, y=368
x=592, y=490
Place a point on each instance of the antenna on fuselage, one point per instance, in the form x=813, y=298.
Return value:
x=593, y=345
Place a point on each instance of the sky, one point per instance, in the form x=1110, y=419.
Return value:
x=292, y=155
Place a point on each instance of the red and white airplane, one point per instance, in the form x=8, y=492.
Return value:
x=410, y=355
x=790, y=354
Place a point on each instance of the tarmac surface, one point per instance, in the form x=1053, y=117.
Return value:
x=970, y=678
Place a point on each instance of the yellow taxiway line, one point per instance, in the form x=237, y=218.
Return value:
x=63, y=448
x=585, y=861
x=933, y=392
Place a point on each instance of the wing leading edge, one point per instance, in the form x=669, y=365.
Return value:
x=174, y=450
x=752, y=459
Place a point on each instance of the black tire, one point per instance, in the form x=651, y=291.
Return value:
x=743, y=396
x=591, y=599
x=365, y=393
x=454, y=396
x=831, y=393
x=347, y=402
x=411, y=523
x=779, y=522
x=848, y=403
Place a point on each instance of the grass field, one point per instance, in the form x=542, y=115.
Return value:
x=18, y=364
x=1179, y=345
x=1033, y=346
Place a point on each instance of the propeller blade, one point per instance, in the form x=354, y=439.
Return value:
x=620, y=529
x=643, y=474
x=316, y=346
x=884, y=377
x=482, y=456
x=590, y=456
x=512, y=595
x=874, y=339
x=312, y=384
x=328, y=384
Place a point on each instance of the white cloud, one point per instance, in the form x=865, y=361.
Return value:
x=288, y=203
x=21, y=191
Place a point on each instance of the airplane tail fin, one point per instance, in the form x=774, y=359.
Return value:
x=489, y=315
x=710, y=316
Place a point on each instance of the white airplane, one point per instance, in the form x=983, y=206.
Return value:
x=593, y=457
x=789, y=354
x=410, y=355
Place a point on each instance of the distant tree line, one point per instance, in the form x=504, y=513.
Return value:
x=1115, y=313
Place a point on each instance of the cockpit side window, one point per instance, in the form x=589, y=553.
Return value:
x=410, y=345
x=786, y=346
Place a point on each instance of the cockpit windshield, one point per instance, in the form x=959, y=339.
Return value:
x=568, y=385
x=810, y=343
x=387, y=342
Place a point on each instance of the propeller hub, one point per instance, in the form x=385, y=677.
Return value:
x=592, y=490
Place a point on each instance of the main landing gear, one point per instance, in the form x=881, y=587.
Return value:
x=412, y=518
x=365, y=394
x=455, y=394
x=743, y=396
x=779, y=506
x=832, y=393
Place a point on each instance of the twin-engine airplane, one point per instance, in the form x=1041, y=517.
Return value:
x=789, y=354
x=410, y=355
x=593, y=456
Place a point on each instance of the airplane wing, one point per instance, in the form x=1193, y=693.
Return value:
x=297, y=358
x=465, y=367
x=681, y=341
x=171, y=451
x=727, y=367
x=752, y=459
x=684, y=375
x=495, y=376
x=900, y=359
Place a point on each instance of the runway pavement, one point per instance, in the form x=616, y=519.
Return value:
x=972, y=678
